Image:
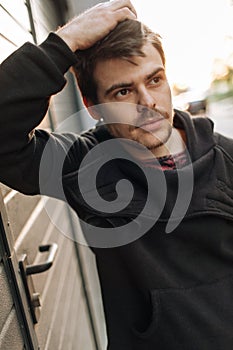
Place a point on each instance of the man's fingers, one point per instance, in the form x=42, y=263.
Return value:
x=95, y=23
x=124, y=13
x=120, y=4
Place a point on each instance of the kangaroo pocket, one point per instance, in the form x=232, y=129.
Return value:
x=199, y=317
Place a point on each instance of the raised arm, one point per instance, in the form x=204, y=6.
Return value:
x=30, y=76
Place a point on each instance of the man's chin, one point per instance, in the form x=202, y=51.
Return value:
x=152, y=141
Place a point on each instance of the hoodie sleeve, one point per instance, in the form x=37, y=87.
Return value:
x=28, y=78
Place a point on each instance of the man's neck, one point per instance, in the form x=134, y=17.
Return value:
x=175, y=144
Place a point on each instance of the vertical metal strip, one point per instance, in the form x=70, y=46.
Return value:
x=33, y=30
x=30, y=341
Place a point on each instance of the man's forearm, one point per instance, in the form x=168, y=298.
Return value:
x=27, y=80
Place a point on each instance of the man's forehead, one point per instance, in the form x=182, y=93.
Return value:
x=115, y=70
x=148, y=50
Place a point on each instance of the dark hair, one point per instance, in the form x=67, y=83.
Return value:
x=124, y=41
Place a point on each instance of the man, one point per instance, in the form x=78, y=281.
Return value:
x=160, y=291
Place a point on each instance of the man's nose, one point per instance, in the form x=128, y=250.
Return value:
x=145, y=99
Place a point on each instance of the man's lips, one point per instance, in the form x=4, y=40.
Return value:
x=151, y=124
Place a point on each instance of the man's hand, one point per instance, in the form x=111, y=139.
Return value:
x=95, y=23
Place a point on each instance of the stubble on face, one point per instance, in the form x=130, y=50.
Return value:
x=137, y=132
x=137, y=99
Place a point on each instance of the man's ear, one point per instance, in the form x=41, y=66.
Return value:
x=91, y=108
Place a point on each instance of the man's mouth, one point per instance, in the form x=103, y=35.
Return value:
x=151, y=124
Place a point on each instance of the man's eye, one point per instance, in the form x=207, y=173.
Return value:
x=122, y=92
x=155, y=80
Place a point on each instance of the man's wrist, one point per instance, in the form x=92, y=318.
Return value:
x=59, y=52
x=67, y=38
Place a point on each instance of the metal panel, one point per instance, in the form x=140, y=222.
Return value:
x=18, y=11
x=13, y=281
x=14, y=31
x=14, y=26
x=10, y=336
x=56, y=308
x=4, y=190
x=44, y=17
x=6, y=299
x=7, y=47
x=94, y=292
x=33, y=234
x=19, y=208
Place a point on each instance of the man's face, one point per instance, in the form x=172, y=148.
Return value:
x=137, y=98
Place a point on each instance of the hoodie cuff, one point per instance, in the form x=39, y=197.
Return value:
x=59, y=52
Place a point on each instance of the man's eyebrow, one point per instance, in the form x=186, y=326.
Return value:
x=156, y=71
x=125, y=85
x=118, y=86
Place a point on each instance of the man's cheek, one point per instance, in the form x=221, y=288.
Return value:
x=122, y=112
